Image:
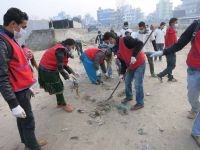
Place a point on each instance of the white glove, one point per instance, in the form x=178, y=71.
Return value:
x=133, y=60
x=156, y=54
x=106, y=74
x=19, y=112
x=121, y=77
x=98, y=73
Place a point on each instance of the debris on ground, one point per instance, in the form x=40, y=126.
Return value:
x=64, y=130
x=123, y=108
x=141, y=132
x=148, y=94
x=74, y=138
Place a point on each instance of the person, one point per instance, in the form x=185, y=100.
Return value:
x=99, y=38
x=170, y=39
x=79, y=47
x=30, y=57
x=92, y=59
x=124, y=29
x=132, y=60
x=54, y=62
x=143, y=35
x=109, y=69
x=16, y=77
x=113, y=31
x=128, y=33
x=191, y=34
x=160, y=38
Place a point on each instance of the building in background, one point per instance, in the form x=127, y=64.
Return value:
x=188, y=8
x=164, y=10
x=106, y=17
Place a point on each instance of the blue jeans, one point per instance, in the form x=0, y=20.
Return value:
x=196, y=126
x=138, y=76
x=110, y=71
x=193, y=79
x=26, y=126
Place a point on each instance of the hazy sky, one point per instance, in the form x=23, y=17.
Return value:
x=43, y=9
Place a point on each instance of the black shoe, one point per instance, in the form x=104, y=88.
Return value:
x=160, y=78
x=172, y=80
x=126, y=100
x=137, y=106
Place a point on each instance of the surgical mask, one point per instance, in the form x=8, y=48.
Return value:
x=142, y=31
x=125, y=27
x=176, y=25
x=111, y=45
x=18, y=35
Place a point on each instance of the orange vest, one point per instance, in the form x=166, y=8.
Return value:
x=20, y=74
x=193, y=59
x=125, y=54
x=49, y=60
x=91, y=53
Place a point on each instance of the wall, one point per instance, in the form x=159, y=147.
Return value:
x=40, y=39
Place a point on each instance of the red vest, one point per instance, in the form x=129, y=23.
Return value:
x=20, y=74
x=49, y=60
x=125, y=54
x=193, y=59
x=91, y=53
x=170, y=37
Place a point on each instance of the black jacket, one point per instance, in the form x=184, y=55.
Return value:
x=6, y=53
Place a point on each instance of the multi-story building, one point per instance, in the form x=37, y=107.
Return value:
x=164, y=9
x=191, y=8
x=106, y=17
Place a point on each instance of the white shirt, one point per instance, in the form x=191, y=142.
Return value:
x=123, y=31
x=143, y=37
x=160, y=36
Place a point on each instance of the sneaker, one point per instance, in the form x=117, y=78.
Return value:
x=172, y=80
x=41, y=143
x=126, y=100
x=192, y=114
x=196, y=139
x=68, y=108
x=137, y=106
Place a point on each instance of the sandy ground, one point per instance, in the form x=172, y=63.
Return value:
x=161, y=125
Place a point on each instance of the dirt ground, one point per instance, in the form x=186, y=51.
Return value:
x=161, y=125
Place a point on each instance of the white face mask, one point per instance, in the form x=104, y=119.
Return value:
x=176, y=25
x=18, y=35
x=111, y=45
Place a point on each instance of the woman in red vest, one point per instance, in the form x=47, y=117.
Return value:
x=53, y=62
x=92, y=58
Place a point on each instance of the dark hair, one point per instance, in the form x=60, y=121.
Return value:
x=172, y=20
x=108, y=53
x=162, y=23
x=126, y=23
x=99, y=32
x=14, y=14
x=68, y=42
x=108, y=35
x=23, y=46
x=141, y=24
